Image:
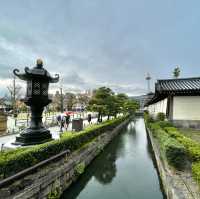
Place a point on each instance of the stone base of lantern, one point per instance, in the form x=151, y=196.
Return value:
x=33, y=136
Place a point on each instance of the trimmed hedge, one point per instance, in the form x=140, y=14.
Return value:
x=174, y=152
x=164, y=124
x=17, y=160
x=148, y=118
x=160, y=116
x=193, y=147
x=196, y=171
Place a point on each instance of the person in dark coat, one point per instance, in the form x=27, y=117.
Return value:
x=89, y=118
x=67, y=121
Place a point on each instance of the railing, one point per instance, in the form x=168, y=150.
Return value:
x=30, y=170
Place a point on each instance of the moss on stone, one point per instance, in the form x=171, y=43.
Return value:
x=79, y=168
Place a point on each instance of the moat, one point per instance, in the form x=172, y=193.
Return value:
x=124, y=169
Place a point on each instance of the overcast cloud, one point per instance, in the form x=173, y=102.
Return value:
x=93, y=43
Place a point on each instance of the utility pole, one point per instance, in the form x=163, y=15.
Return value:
x=148, y=78
x=14, y=94
x=14, y=100
x=61, y=97
x=27, y=116
x=61, y=100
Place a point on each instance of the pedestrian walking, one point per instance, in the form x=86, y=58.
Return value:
x=89, y=118
x=58, y=119
x=67, y=121
x=61, y=121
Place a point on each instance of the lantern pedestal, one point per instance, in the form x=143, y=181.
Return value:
x=33, y=136
x=36, y=133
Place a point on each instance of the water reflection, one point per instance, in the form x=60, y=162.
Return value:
x=123, y=170
x=103, y=169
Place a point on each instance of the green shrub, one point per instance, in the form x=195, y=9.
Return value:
x=154, y=127
x=148, y=118
x=14, y=161
x=192, y=147
x=175, y=153
x=160, y=116
x=177, y=147
x=173, y=132
x=162, y=136
x=164, y=124
x=146, y=112
x=79, y=169
x=194, y=153
x=196, y=171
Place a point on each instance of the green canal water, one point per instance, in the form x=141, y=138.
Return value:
x=124, y=170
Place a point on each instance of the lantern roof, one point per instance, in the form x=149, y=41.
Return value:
x=36, y=72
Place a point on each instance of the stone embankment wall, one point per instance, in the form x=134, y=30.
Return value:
x=53, y=179
x=176, y=184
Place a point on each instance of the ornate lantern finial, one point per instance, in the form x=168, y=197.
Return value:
x=39, y=63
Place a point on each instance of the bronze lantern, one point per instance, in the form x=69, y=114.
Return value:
x=36, y=98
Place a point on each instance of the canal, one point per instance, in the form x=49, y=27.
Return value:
x=124, y=170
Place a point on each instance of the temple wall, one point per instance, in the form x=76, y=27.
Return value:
x=186, y=108
x=160, y=106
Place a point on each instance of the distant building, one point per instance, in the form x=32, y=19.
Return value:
x=179, y=99
x=143, y=99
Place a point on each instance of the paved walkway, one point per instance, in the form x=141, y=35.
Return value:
x=55, y=131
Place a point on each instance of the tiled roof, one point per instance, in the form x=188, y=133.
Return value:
x=186, y=85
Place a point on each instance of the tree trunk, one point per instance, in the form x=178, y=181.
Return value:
x=99, y=117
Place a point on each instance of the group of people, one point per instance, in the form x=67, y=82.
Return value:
x=64, y=119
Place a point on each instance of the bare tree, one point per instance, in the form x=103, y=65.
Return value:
x=15, y=94
x=57, y=101
x=69, y=100
x=83, y=99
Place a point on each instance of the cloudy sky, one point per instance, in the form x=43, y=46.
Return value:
x=95, y=43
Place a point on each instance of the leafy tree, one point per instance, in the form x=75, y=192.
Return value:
x=101, y=101
x=121, y=99
x=112, y=107
x=105, y=102
x=131, y=106
x=176, y=72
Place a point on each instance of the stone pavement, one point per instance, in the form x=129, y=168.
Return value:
x=55, y=131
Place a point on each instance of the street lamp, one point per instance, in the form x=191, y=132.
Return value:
x=38, y=80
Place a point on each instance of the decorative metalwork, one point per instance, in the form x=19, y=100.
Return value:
x=38, y=80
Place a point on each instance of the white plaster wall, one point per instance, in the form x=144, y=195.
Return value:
x=186, y=108
x=160, y=106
